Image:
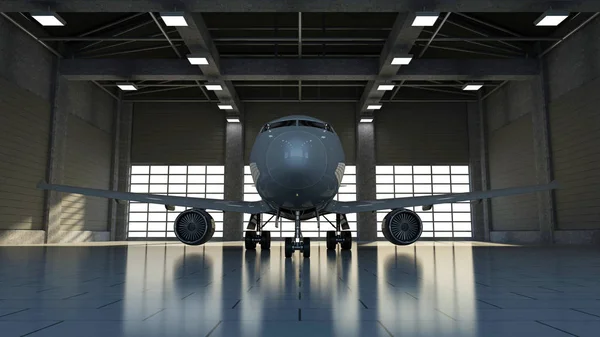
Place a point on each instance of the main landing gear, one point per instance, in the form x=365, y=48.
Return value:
x=297, y=242
x=341, y=234
x=255, y=234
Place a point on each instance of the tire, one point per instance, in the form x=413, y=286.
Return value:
x=250, y=245
x=347, y=243
x=265, y=240
x=331, y=240
x=306, y=247
x=289, y=250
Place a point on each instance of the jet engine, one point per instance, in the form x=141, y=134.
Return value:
x=402, y=227
x=194, y=227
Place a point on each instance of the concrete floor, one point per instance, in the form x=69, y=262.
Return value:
x=430, y=289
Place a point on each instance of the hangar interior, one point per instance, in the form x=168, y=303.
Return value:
x=532, y=119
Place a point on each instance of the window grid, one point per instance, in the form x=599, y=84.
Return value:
x=153, y=220
x=347, y=192
x=444, y=220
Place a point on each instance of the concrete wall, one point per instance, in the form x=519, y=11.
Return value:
x=26, y=75
x=511, y=155
x=562, y=142
x=573, y=85
x=422, y=133
x=54, y=130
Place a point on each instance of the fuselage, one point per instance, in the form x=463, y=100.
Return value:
x=297, y=164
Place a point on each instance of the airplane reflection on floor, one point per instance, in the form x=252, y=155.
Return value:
x=429, y=289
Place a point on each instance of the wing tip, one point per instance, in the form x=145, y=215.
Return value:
x=42, y=185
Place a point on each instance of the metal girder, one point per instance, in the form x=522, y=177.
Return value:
x=198, y=40
x=299, y=6
x=400, y=41
x=277, y=69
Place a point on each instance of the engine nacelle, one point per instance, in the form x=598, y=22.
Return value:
x=194, y=227
x=402, y=227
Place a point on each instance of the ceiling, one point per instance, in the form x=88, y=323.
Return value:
x=275, y=35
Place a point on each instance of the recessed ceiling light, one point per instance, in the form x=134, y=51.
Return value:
x=49, y=19
x=127, y=86
x=197, y=60
x=551, y=18
x=425, y=19
x=214, y=87
x=225, y=106
x=174, y=19
x=233, y=120
x=472, y=86
x=366, y=120
x=374, y=107
x=383, y=87
x=402, y=60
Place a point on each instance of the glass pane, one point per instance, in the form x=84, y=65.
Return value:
x=137, y=169
x=156, y=208
x=178, y=169
x=462, y=234
x=196, y=169
x=249, y=189
x=158, y=188
x=138, y=217
x=442, y=208
x=157, y=234
x=215, y=179
x=464, y=169
x=462, y=226
x=248, y=180
x=422, y=179
x=196, y=188
x=347, y=188
x=460, y=188
x=177, y=188
x=347, y=197
x=403, y=179
x=384, y=188
x=385, y=196
x=140, y=179
x=215, y=169
x=427, y=235
x=159, y=169
x=137, y=226
x=384, y=169
x=177, y=179
x=196, y=179
x=422, y=188
x=443, y=234
x=215, y=188
x=404, y=188
x=157, y=216
x=138, y=207
x=440, y=169
x=247, y=170
x=157, y=226
x=384, y=179
x=441, y=189
x=427, y=226
x=215, y=196
x=442, y=179
x=461, y=216
x=443, y=226
x=349, y=179
x=422, y=169
x=350, y=169
x=403, y=169
x=139, y=188
x=442, y=216
x=460, y=179
x=461, y=207
x=136, y=234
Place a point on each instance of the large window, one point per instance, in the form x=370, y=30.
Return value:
x=153, y=220
x=347, y=192
x=444, y=220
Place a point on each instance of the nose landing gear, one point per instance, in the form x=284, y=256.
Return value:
x=297, y=242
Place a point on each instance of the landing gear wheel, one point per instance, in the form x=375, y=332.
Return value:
x=347, y=243
x=306, y=247
x=250, y=245
x=331, y=242
x=289, y=250
x=265, y=240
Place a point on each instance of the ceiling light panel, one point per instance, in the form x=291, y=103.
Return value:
x=425, y=19
x=175, y=19
x=551, y=18
x=48, y=19
x=385, y=87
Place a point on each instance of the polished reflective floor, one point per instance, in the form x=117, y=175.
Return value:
x=429, y=289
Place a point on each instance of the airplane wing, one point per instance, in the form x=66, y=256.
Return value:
x=222, y=205
x=376, y=205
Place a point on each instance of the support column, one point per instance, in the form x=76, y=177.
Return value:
x=542, y=155
x=234, y=179
x=475, y=169
x=484, y=169
x=56, y=159
x=365, y=178
x=124, y=169
x=114, y=168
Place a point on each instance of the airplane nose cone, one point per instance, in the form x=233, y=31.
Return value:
x=296, y=159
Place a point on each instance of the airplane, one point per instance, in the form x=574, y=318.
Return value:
x=297, y=164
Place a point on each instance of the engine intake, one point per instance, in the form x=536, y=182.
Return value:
x=194, y=227
x=402, y=227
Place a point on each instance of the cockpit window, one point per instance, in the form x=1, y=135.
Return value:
x=276, y=125
x=314, y=124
